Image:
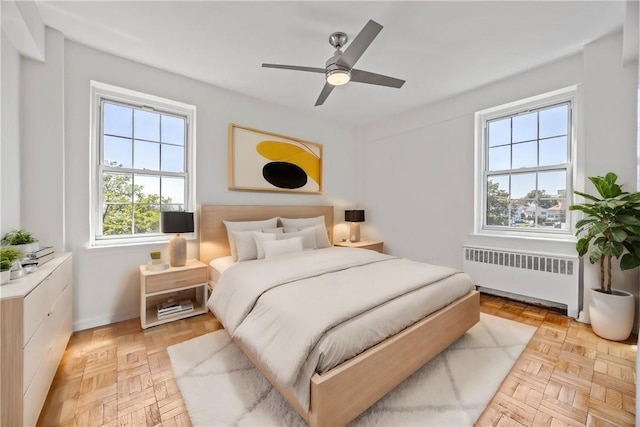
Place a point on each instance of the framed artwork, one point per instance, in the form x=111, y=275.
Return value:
x=265, y=161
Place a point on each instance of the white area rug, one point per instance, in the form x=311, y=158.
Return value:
x=221, y=387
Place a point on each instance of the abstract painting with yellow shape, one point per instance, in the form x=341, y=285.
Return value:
x=265, y=161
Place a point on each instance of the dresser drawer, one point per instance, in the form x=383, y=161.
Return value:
x=37, y=305
x=176, y=279
x=38, y=346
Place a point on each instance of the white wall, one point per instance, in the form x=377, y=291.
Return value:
x=42, y=168
x=106, y=279
x=10, y=144
x=418, y=168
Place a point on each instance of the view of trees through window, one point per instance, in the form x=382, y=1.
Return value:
x=143, y=168
x=527, y=168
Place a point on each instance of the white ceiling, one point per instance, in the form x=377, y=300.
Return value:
x=439, y=48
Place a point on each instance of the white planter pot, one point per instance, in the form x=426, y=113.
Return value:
x=612, y=315
x=4, y=277
x=28, y=248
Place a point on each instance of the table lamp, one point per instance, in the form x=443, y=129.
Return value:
x=355, y=216
x=177, y=222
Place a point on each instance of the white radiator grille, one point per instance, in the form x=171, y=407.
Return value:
x=520, y=260
x=534, y=275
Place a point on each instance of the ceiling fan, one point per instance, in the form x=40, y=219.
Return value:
x=339, y=68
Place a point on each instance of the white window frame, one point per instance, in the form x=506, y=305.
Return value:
x=569, y=95
x=100, y=92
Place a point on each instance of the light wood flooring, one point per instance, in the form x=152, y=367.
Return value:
x=120, y=375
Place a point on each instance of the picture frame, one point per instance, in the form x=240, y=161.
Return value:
x=265, y=161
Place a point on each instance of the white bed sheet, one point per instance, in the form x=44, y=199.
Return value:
x=218, y=266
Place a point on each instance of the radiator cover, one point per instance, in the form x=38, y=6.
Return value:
x=536, y=275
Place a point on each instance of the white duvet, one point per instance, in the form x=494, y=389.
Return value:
x=310, y=311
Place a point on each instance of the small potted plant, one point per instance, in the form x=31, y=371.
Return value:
x=7, y=257
x=610, y=228
x=21, y=240
x=156, y=263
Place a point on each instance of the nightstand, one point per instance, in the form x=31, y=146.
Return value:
x=177, y=284
x=364, y=244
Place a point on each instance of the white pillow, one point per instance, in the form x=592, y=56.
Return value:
x=246, y=226
x=260, y=238
x=273, y=248
x=322, y=238
x=308, y=237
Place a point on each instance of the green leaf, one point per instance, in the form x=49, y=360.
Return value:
x=595, y=255
x=613, y=248
x=618, y=234
x=628, y=219
x=586, y=196
x=611, y=178
x=582, y=246
x=584, y=222
x=598, y=228
x=629, y=261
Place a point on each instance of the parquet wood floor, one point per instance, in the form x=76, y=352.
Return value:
x=120, y=375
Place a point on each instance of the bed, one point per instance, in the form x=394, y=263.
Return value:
x=337, y=394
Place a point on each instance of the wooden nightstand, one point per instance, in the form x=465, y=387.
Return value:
x=364, y=244
x=177, y=283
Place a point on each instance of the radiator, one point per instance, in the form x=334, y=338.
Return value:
x=540, y=276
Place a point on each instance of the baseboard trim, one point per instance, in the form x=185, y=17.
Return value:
x=80, y=325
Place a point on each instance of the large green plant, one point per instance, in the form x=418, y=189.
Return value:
x=611, y=227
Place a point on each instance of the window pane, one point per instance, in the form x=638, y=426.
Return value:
x=117, y=120
x=500, y=132
x=172, y=190
x=500, y=158
x=146, y=155
x=553, y=183
x=116, y=188
x=553, y=151
x=146, y=189
x=117, y=219
x=172, y=130
x=146, y=218
x=172, y=158
x=117, y=152
x=525, y=127
x=554, y=121
x=522, y=184
x=498, y=200
x=557, y=214
x=525, y=155
x=146, y=125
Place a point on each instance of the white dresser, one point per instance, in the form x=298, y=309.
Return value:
x=35, y=326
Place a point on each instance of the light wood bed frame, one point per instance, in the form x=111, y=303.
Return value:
x=341, y=394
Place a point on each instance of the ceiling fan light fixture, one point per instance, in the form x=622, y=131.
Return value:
x=338, y=77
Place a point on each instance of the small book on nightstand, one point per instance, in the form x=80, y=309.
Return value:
x=172, y=307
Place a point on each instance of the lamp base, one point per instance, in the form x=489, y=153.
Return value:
x=354, y=232
x=178, y=251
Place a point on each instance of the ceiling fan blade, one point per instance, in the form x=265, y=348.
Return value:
x=359, y=44
x=375, y=79
x=296, y=68
x=326, y=90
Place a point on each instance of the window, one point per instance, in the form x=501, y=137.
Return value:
x=525, y=157
x=143, y=150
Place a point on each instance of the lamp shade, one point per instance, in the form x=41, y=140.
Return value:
x=176, y=222
x=354, y=215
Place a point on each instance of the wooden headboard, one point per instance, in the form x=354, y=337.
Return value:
x=213, y=233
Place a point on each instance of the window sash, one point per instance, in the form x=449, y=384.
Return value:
x=102, y=94
x=566, y=167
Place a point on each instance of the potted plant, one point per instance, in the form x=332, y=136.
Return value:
x=611, y=228
x=7, y=257
x=21, y=240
